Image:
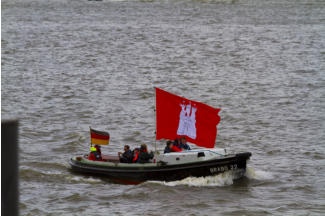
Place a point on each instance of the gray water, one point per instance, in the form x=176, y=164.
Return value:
x=70, y=64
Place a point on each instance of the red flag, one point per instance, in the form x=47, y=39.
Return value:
x=178, y=117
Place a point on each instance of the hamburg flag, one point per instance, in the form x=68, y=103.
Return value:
x=99, y=137
x=177, y=117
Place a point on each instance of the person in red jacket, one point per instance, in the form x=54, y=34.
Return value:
x=176, y=149
x=135, y=155
x=170, y=147
x=98, y=149
x=94, y=154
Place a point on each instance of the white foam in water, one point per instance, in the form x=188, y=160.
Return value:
x=222, y=179
x=258, y=174
x=83, y=179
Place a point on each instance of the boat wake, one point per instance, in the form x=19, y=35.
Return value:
x=253, y=174
x=88, y=180
x=223, y=179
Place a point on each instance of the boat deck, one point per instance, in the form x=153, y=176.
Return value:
x=111, y=158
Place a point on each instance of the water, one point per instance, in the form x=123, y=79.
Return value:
x=68, y=65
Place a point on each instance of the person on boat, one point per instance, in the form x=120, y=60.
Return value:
x=98, y=149
x=176, y=143
x=94, y=154
x=170, y=147
x=127, y=156
x=144, y=156
x=183, y=144
x=136, y=152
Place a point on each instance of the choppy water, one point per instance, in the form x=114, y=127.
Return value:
x=71, y=64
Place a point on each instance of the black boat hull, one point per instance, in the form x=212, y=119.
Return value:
x=138, y=173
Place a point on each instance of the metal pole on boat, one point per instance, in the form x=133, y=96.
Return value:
x=91, y=144
x=154, y=111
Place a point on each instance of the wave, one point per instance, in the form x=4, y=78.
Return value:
x=200, y=1
x=32, y=175
x=223, y=179
x=253, y=174
x=78, y=179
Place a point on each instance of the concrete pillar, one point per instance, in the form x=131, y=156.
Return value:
x=9, y=168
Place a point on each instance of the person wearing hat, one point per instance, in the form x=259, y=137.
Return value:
x=98, y=150
x=95, y=154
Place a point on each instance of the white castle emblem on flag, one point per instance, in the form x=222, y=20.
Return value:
x=187, y=121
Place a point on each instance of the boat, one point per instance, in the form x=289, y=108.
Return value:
x=200, y=162
x=165, y=167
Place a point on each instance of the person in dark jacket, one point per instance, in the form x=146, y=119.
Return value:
x=144, y=156
x=127, y=156
x=170, y=147
x=183, y=144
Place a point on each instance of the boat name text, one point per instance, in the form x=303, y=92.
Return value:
x=223, y=168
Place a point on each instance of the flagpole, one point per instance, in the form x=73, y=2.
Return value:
x=91, y=144
x=155, y=114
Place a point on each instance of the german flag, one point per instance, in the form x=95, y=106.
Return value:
x=99, y=137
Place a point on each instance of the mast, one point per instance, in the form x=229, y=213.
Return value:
x=155, y=119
